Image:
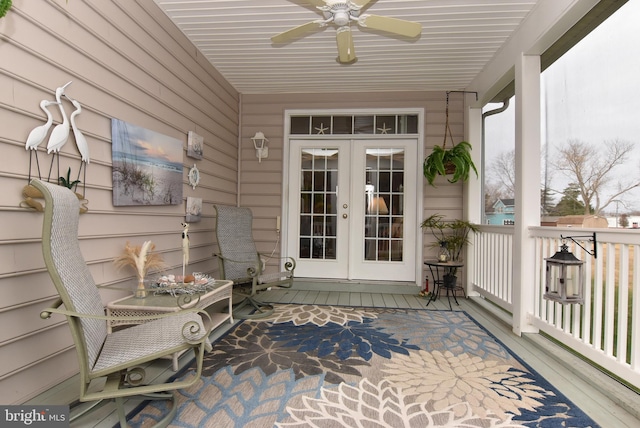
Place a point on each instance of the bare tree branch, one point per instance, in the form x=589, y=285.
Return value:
x=591, y=170
x=503, y=172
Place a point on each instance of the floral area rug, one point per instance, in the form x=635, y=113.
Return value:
x=328, y=366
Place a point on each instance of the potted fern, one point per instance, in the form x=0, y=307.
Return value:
x=455, y=161
x=451, y=235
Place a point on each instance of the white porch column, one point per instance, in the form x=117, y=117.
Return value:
x=473, y=193
x=527, y=197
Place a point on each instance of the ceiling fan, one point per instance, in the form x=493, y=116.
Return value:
x=342, y=14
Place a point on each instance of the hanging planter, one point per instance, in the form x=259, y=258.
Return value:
x=455, y=162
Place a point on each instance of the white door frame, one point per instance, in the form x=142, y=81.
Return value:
x=329, y=112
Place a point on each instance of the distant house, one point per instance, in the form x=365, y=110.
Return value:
x=588, y=221
x=502, y=214
x=634, y=221
x=548, y=220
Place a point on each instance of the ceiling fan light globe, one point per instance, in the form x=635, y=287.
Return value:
x=341, y=18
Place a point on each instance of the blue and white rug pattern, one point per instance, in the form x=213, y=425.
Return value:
x=331, y=366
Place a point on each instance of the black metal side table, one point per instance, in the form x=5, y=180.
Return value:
x=443, y=275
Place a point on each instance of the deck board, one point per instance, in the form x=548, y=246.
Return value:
x=366, y=299
x=321, y=297
x=378, y=301
x=343, y=298
x=389, y=301
x=307, y=298
x=332, y=299
x=355, y=299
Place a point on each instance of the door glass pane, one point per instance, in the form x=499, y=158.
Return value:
x=318, y=203
x=300, y=125
x=385, y=124
x=384, y=205
x=363, y=125
x=321, y=125
x=342, y=125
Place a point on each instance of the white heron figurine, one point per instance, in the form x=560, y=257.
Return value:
x=81, y=141
x=60, y=132
x=185, y=247
x=38, y=134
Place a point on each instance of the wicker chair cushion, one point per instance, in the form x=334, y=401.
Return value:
x=144, y=340
x=76, y=285
x=235, y=240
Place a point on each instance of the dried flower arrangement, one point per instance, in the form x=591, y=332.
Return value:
x=142, y=259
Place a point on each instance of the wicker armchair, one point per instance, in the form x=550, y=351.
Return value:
x=240, y=262
x=118, y=355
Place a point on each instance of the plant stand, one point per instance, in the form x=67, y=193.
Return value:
x=443, y=274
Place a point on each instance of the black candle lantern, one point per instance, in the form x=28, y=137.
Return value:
x=565, y=274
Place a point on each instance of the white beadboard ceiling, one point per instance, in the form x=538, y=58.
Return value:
x=458, y=38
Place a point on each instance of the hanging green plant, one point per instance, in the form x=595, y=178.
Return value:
x=5, y=5
x=455, y=162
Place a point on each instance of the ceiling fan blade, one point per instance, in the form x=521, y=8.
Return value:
x=298, y=31
x=317, y=3
x=361, y=3
x=346, y=49
x=391, y=25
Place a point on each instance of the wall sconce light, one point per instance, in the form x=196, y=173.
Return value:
x=565, y=274
x=260, y=144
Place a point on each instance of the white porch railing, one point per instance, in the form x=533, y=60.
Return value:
x=606, y=328
x=492, y=277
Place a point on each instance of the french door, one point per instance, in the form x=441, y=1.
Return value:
x=352, y=208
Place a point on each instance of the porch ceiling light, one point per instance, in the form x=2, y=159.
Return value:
x=565, y=273
x=260, y=144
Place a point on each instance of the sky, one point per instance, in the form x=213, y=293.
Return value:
x=592, y=94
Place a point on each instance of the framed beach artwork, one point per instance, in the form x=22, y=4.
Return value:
x=194, y=210
x=147, y=166
x=195, y=145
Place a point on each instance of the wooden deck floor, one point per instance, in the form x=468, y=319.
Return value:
x=605, y=400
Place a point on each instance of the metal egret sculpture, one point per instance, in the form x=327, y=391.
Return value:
x=81, y=141
x=60, y=132
x=38, y=134
x=57, y=140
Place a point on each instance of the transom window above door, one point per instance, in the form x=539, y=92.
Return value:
x=386, y=124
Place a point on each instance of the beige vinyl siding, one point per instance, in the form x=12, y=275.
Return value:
x=261, y=182
x=128, y=61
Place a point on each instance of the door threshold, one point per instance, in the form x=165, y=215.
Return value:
x=355, y=286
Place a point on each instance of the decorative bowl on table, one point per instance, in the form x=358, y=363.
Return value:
x=173, y=284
